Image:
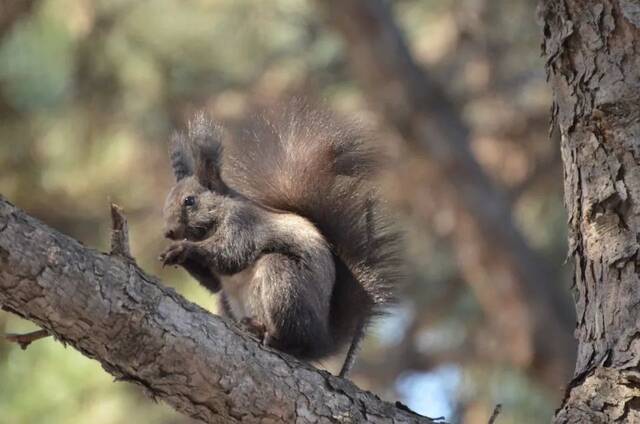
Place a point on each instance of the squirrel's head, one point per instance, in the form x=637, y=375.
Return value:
x=195, y=205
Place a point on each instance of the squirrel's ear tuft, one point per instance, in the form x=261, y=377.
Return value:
x=206, y=139
x=180, y=156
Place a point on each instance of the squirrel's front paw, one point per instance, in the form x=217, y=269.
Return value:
x=176, y=254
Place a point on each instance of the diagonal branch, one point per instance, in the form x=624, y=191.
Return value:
x=202, y=365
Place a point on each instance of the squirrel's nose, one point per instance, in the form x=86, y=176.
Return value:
x=170, y=234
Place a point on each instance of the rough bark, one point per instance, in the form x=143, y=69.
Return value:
x=511, y=282
x=593, y=62
x=202, y=365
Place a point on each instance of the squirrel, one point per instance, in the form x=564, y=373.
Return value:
x=285, y=224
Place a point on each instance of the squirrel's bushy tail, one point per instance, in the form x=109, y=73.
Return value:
x=302, y=159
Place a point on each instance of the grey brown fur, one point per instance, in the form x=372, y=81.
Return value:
x=287, y=226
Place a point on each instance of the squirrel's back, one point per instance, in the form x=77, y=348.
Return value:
x=303, y=160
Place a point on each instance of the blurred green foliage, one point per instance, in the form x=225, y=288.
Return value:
x=49, y=383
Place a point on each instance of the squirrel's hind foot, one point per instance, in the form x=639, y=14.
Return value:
x=256, y=328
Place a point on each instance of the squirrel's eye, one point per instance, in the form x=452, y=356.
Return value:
x=189, y=201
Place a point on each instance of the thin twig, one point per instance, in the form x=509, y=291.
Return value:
x=119, y=233
x=24, y=340
x=496, y=412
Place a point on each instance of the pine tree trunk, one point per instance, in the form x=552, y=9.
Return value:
x=593, y=61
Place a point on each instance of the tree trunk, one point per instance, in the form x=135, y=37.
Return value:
x=202, y=365
x=593, y=62
x=512, y=284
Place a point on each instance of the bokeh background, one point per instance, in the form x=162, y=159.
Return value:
x=91, y=90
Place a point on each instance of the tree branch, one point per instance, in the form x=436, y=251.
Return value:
x=24, y=340
x=202, y=365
